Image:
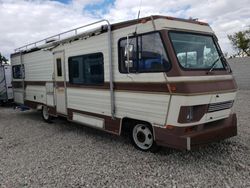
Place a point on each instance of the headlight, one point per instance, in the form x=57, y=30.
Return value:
x=191, y=113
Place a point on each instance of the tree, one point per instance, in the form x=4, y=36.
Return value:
x=3, y=59
x=241, y=41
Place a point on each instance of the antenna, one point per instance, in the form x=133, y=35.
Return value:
x=138, y=16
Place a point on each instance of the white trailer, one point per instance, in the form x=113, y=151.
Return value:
x=6, y=92
x=162, y=79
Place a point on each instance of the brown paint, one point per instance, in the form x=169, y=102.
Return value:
x=147, y=87
x=204, y=134
x=104, y=86
x=35, y=83
x=181, y=87
x=59, y=84
x=32, y=104
x=52, y=111
x=204, y=86
x=192, y=87
x=17, y=84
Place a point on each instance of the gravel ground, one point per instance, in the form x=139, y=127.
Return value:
x=63, y=154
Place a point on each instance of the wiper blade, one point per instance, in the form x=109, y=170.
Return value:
x=214, y=63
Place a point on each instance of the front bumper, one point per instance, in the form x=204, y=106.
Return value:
x=202, y=135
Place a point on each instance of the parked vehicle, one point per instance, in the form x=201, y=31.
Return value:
x=164, y=80
x=6, y=92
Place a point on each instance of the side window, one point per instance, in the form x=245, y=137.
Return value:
x=18, y=71
x=86, y=69
x=147, y=54
x=59, y=67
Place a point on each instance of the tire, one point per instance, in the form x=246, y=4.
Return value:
x=143, y=139
x=45, y=115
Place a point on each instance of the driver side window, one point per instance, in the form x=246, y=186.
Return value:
x=143, y=53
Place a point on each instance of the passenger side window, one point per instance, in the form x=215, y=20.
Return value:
x=86, y=69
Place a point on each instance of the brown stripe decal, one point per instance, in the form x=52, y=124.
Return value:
x=32, y=104
x=203, y=87
x=17, y=85
x=104, y=86
x=180, y=87
x=149, y=87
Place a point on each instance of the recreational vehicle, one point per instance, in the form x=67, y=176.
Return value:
x=6, y=93
x=162, y=80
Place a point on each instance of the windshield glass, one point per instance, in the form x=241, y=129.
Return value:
x=195, y=51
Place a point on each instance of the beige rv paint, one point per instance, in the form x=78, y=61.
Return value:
x=36, y=94
x=50, y=94
x=178, y=101
x=89, y=120
x=18, y=96
x=60, y=90
x=136, y=105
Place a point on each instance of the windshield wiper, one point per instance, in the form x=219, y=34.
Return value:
x=214, y=63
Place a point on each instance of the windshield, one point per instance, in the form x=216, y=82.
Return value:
x=195, y=51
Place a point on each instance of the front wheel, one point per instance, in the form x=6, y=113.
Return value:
x=45, y=114
x=143, y=139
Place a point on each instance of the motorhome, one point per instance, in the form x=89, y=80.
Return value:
x=161, y=80
x=6, y=92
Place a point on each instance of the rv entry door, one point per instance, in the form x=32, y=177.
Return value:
x=60, y=82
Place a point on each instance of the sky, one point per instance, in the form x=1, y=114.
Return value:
x=26, y=21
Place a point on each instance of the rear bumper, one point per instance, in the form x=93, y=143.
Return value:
x=204, y=134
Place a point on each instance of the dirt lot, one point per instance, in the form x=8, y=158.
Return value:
x=63, y=154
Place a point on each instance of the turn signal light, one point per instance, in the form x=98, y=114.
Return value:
x=173, y=88
x=189, y=129
x=170, y=127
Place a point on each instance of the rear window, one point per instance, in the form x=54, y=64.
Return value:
x=18, y=71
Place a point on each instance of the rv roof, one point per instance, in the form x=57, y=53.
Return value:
x=154, y=17
x=57, y=39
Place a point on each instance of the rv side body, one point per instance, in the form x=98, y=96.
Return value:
x=6, y=92
x=161, y=99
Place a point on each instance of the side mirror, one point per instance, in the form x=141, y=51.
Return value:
x=129, y=48
x=128, y=53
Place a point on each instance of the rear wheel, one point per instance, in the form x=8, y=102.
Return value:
x=45, y=114
x=143, y=139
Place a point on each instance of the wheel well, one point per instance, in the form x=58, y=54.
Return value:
x=128, y=124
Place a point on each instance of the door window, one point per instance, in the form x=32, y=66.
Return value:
x=59, y=67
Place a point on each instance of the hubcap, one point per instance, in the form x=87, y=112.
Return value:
x=142, y=136
x=45, y=113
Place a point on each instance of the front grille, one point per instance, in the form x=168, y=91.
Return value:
x=213, y=107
